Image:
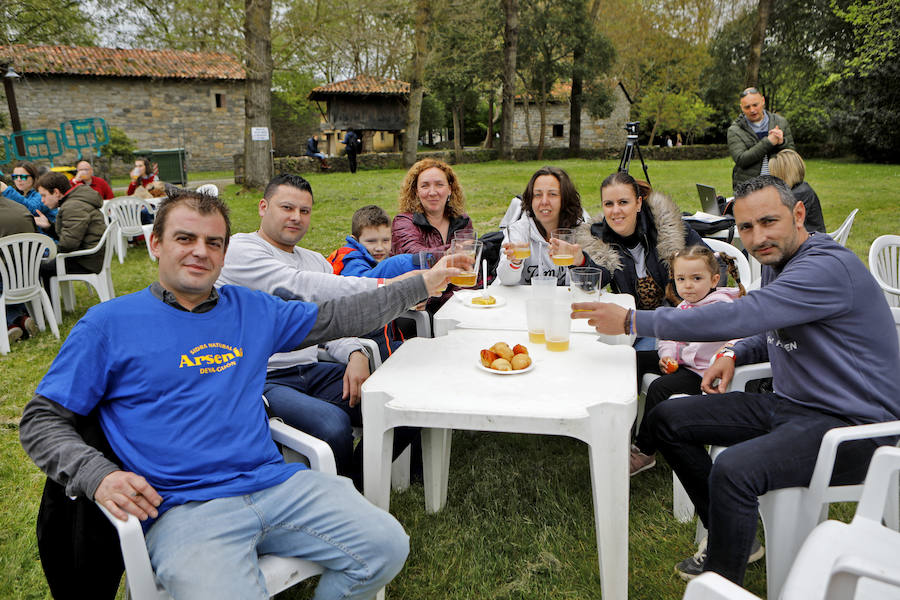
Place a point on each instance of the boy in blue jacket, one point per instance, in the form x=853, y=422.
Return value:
x=367, y=253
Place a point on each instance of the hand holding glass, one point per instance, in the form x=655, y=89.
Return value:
x=519, y=243
x=585, y=283
x=562, y=247
x=471, y=251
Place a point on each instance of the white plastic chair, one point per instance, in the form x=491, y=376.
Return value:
x=837, y=561
x=740, y=260
x=20, y=262
x=884, y=263
x=209, y=189
x=280, y=572
x=127, y=213
x=841, y=234
x=102, y=281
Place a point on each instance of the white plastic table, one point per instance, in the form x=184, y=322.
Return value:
x=459, y=313
x=436, y=384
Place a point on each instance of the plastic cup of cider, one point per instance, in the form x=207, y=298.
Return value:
x=559, y=327
x=471, y=249
x=536, y=314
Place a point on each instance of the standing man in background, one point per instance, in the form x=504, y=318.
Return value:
x=351, y=141
x=755, y=136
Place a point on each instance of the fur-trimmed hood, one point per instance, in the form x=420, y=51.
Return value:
x=659, y=222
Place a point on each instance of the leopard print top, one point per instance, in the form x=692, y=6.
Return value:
x=649, y=295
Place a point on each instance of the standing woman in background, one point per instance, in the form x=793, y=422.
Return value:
x=789, y=167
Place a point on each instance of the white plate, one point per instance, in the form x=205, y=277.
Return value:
x=519, y=372
x=466, y=300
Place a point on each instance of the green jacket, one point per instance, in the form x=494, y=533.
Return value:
x=14, y=218
x=748, y=151
x=80, y=225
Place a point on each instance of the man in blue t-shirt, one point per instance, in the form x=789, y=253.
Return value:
x=175, y=375
x=822, y=322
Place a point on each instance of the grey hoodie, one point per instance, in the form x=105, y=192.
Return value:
x=823, y=323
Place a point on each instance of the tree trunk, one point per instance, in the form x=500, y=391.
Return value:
x=489, y=138
x=542, y=108
x=416, y=89
x=258, y=96
x=577, y=95
x=510, y=43
x=756, y=44
x=457, y=131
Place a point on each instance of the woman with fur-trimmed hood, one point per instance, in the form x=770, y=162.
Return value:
x=639, y=230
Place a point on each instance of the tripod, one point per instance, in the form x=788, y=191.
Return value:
x=631, y=144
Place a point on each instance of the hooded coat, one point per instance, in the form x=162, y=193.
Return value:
x=80, y=225
x=661, y=231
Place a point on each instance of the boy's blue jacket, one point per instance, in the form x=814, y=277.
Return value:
x=357, y=262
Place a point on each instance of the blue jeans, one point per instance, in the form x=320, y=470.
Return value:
x=308, y=398
x=209, y=549
x=644, y=344
x=772, y=444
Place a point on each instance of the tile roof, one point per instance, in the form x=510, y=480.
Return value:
x=361, y=85
x=115, y=62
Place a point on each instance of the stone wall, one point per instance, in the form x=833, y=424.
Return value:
x=595, y=133
x=156, y=114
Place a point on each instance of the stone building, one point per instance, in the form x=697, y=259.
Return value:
x=375, y=106
x=595, y=133
x=162, y=99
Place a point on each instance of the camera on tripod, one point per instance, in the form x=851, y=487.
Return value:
x=632, y=128
x=631, y=144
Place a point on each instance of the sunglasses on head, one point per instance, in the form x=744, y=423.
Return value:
x=18, y=176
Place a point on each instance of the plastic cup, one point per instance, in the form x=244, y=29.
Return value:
x=536, y=315
x=543, y=287
x=465, y=235
x=585, y=284
x=520, y=243
x=563, y=258
x=559, y=326
x=472, y=249
x=429, y=258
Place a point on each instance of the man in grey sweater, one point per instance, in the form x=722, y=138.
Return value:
x=183, y=413
x=822, y=322
x=321, y=399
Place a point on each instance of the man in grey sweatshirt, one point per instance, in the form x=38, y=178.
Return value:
x=183, y=413
x=822, y=322
x=321, y=399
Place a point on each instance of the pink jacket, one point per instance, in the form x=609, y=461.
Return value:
x=411, y=232
x=697, y=356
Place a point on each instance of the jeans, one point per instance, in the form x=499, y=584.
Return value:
x=209, y=549
x=772, y=444
x=308, y=398
x=644, y=343
x=682, y=381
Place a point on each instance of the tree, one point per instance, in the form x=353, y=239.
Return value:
x=756, y=43
x=258, y=95
x=45, y=22
x=581, y=69
x=510, y=45
x=416, y=85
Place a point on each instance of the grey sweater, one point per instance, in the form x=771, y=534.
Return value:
x=47, y=430
x=823, y=323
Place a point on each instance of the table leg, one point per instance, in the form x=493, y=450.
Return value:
x=377, y=466
x=436, y=466
x=610, y=482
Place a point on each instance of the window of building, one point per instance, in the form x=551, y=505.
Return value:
x=220, y=100
x=557, y=130
x=382, y=136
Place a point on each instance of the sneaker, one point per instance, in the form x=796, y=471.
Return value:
x=14, y=333
x=640, y=461
x=27, y=325
x=693, y=566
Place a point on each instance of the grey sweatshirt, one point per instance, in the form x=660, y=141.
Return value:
x=47, y=430
x=255, y=263
x=823, y=323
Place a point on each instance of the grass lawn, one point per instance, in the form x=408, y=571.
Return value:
x=519, y=518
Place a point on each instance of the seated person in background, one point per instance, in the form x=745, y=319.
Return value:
x=24, y=191
x=198, y=464
x=320, y=398
x=639, y=230
x=84, y=173
x=367, y=253
x=15, y=218
x=788, y=166
x=79, y=223
x=695, y=271
x=833, y=364
x=432, y=209
x=312, y=150
x=142, y=175
x=550, y=202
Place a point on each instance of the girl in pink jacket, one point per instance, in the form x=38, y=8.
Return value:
x=695, y=272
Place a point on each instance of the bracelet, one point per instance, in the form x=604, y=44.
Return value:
x=629, y=321
x=726, y=352
x=380, y=282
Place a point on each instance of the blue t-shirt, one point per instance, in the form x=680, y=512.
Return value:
x=180, y=394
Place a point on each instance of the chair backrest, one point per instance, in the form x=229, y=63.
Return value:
x=127, y=211
x=884, y=263
x=740, y=260
x=20, y=262
x=841, y=234
x=209, y=189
